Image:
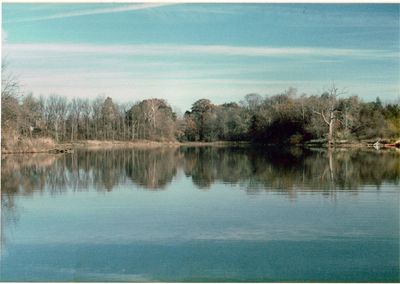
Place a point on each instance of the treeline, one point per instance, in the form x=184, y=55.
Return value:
x=290, y=118
x=79, y=119
x=283, y=118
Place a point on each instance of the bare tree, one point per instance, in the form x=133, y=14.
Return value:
x=122, y=115
x=57, y=109
x=9, y=84
x=75, y=112
x=327, y=109
x=63, y=112
x=96, y=115
x=10, y=94
x=109, y=114
x=86, y=111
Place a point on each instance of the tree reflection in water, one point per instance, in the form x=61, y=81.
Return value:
x=254, y=169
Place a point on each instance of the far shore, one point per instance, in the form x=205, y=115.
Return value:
x=100, y=144
x=43, y=146
x=55, y=148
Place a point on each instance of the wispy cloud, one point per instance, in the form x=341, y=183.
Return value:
x=117, y=9
x=327, y=15
x=220, y=50
x=4, y=36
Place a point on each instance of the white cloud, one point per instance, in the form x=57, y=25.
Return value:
x=118, y=9
x=220, y=50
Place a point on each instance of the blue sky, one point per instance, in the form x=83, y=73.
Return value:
x=184, y=52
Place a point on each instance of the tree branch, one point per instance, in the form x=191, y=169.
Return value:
x=323, y=116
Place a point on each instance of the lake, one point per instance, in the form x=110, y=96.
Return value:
x=201, y=214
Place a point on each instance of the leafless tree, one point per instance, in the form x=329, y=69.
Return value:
x=10, y=95
x=327, y=109
x=76, y=107
x=86, y=111
x=57, y=108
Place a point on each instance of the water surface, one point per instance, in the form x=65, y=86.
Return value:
x=201, y=214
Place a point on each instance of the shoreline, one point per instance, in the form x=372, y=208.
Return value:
x=112, y=144
x=99, y=144
x=147, y=144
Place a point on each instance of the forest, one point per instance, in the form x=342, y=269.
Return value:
x=289, y=117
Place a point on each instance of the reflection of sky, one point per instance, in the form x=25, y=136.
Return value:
x=185, y=234
x=182, y=213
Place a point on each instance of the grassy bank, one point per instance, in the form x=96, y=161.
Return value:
x=12, y=145
x=47, y=145
x=367, y=143
x=110, y=144
x=17, y=144
x=99, y=144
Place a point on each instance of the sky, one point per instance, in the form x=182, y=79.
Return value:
x=185, y=52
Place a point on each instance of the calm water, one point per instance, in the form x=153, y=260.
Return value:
x=201, y=214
